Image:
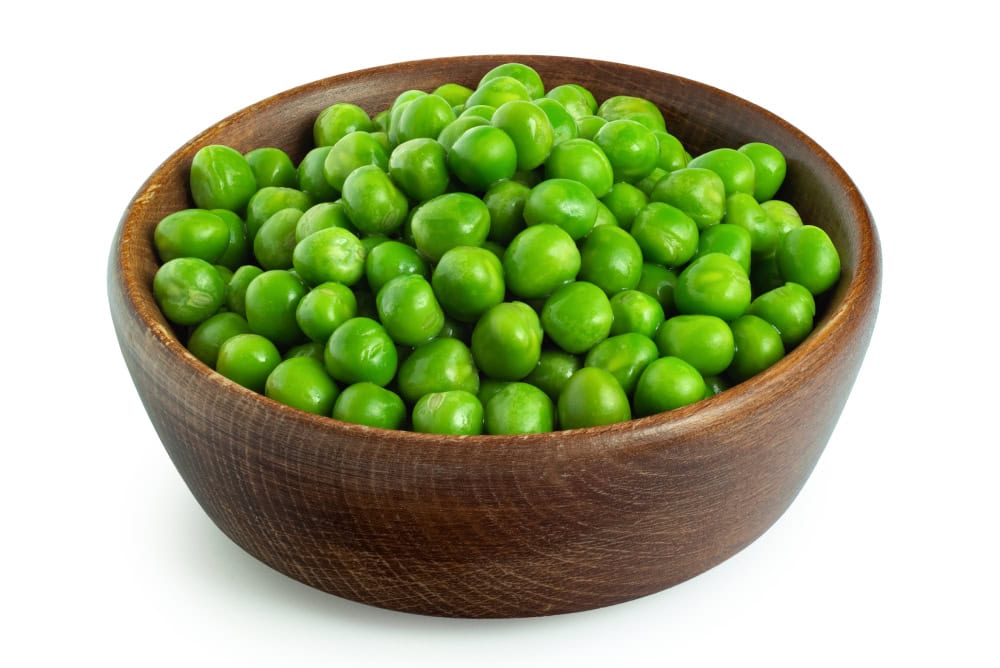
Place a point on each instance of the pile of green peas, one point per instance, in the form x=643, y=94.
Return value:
x=500, y=259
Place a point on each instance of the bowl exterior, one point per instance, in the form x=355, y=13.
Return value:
x=501, y=526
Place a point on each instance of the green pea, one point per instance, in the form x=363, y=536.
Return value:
x=392, y=258
x=790, y=309
x=333, y=254
x=456, y=94
x=648, y=184
x=554, y=368
x=630, y=146
x=769, y=168
x=665, y=234
x=611, y=259
x=635, y=311
x=248, y=359
x=370, y=404
x=409, y=310
x=592, y=397
x=658, y=282
x=758, y=346
x=274, y=243
x=714, y=284
x=577, y=100
x=525, y=74
x=481, y=156
x=672, y=153
x=697, y=191
x=450, y=134
x=361, y=350
x=634, y=107
x=237, y=252
x=564, y=202
x=581, y=160
x=322, y=216
x=420, y=168
x=337, y=120
x=807, y=256
x=272, y=167
x=236, y=289
x=209, y=335
x=455, y=412
x=373, y=202
x=703, y=341
x=436, y=366
x=731, y=240
x=449, y=220
x=494, y=90
x=577, y=316
x=325, y=308
x=736, y=169
x=269, y=200
x=563, y=123
x=519, y=408
x=468, y=281
x=540, y=259
x=351, y=151
x=188, y=290
x=783, y=214
x=587, y=126
x=303, y=383
x=666, y=384
x=743, y=210
x=529, y=128
x=271, y=301
x=424, y=117
x=221, y=178
x=507, y=341
x=191, y=233
x=604, y=216
x=505, y=202
x=625, y=356
x=625, y=200
x=312, y=175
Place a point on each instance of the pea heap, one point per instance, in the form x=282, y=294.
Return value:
x=492, y=260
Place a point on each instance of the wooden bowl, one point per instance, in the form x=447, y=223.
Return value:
x=501, y=526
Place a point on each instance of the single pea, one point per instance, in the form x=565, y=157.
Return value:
x=468, y=281
x=790, y=309
x=577, y=316
x=450, y=134
x=806, y=255
x=507, y=341
x=303, y=383
x=390, y=259
x=313, y=349
x=576, y=99
x=743, y=210
x=449, y=220
x=588, y=126
x=539, y=260
x=271, y=301
x=209, y=335
x=409, y=310
x=420, y=168
x=361, y=350
x=325, y=308
x=272, y=167
x=274, y=242
x=333, y=254
x=456, y=94
x=732, y=240
x=424, y=117
x=554, y=368
x=658, y=282
x=221, y=178
x=312, y=177
x=370, y=404
x=784, y=215
x=624, y=356
x=633, y=107
x=672, y=153
x=592, y=397
x=526, y=74
x=703, y=341
x=437, y=366
x=337, y=120
x=581, y=160
x=373, y=202
x=758, y=346
x=505, y=202
x=237, y=251
x=697, y=191
x=736, y=169
x=519, y=408
x=769, y=168
x=563, y=123
x=481, y=156
x=236, y=289
x=714, y=284
x=351, y=151
x=564, y=202
x=635, y=311
x=455, y=412
x=269, y=200
x=666, y=235
x=666, y=384
x=188, y=290
x=631, y=148
x=322, y=216
x=611, y=259
x=248, y=359
x=483, y=111
x=529, y=128
x=191, y=233
x=625, y=200
x=494, y=91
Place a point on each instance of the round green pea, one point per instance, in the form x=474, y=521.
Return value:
x=424, y=117
x=581, y=160
x=770, y=168
x=636, y=311
x=271, y=301
x=554, y=368
x=625, y=356
x=666, y=384
x=731, y=240
x=329, y=255
x=320, y=217
x=437, y=366
x=274, y=243
x=221, y=178
x=481, y=156
x=269, y=200
x=577, y=316
x=420, y=168
x=373, y=202
x=592, y=397
x=611, y=259
x=272, y=167
x=237, y=252
x=507, y=341
x=370, y=404
x=191, y=233
x=353, y=150
x=563, y=123
x=337, y=120
x=409, y=310
x=743, y=210
x=736, y=169
x=302, y=383
x=449, y=220
x=758, y=346
x=630, y=146
x=625, y=200
x=468, y=281
x=325, y=308
x=697, y=191
x=519, y=408
x=525, y=74
x=209, y=335
x=703, y=341
x=312, y=176
x=505, y=202
x=790, y=309
x=361, y=350
x=454, y=412
x=634, y=107
x=236, y=289
x=494, y=90
x=392, y=258
x=807, y=256
x=665, y=234
x=540, y=259
x=248, y=359
x=564, y=202
x=188, y=290
x=529, y=128
x=714, y=284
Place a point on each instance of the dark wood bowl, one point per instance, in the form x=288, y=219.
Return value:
x=497, y=526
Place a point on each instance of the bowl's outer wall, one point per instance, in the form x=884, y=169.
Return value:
x=501, y=526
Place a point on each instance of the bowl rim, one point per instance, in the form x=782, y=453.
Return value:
x=834, y=326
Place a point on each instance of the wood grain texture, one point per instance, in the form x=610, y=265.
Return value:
x=501, y=526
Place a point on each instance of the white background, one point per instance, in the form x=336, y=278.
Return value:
x=887, y=557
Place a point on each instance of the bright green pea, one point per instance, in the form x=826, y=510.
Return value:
x=581, y=160
x=611, y=259
x=648, y=184
x=373, y=202
x=424, y=117
x=468, y=281
x=588, y=126
x=563, y=123
x=351, y=151
x=554, y=368
x=519, y=408
x=320, y=217
x=636, y=311
x=658, y=282
x=732, y=240
x=456, y=94
x=736, y=169
x=806, y=255
x=191, y=233
x=236, y=289
x=630, y=146
x=703, y=341
x=672, y=153
x=371, y=405
x=576, y=99
x=237, y=251
x=625, y=356
x=269, y=200
x=714, y=284
x=483, y=111
x=525, y=74
x=390, y=259
x=758, y=346
x=337, y=120
x=634, y=107
x=209, y=335
x=625, y=201
x=274, y=243
x=312, y=176
x=271, y=301
x=769, y=168
x=455, y=412
x=248, y=359
x=272, y=167
x=743, y=210
x=577, y=316
x=784, y=215
x=494, y=90
x=666, y=384
x=313, y=349
x=481, y=156
x=564, y=202
x=409, y=310
x=529, y=128
x=333, y=254
x=790, y=309
x=221, y=178
x=697, y=191
x=507, y=341
x=303, y=383
x=420, y=168
x=592, y=397
x=489, y=387
x=437, y=366
x=361, y=350
x=188, y=290
x=325, y=308
x=505, y=202
x=449, y=220
x=450, y=134
x=666, y=235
